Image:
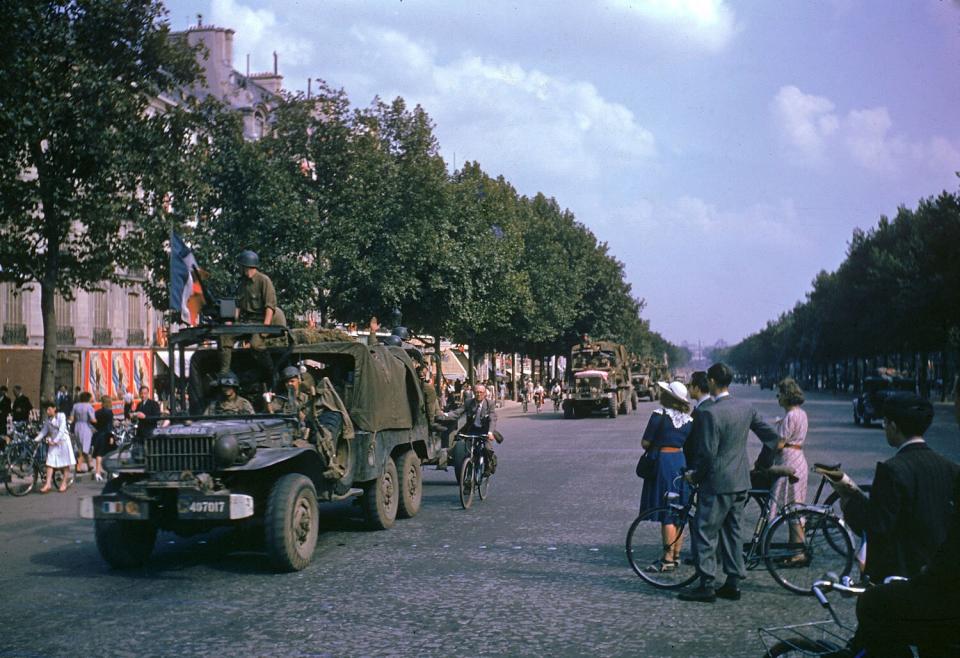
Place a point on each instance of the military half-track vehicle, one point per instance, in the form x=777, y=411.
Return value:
x=195, y=472
x=598, y=379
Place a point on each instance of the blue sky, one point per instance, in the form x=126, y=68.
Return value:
x=724, y=150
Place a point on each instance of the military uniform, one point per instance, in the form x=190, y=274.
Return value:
x=254, y=296
x=324, y=419
x=237, y=406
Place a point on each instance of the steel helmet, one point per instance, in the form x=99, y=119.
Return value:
x=248, y=258
x=289, y=373
x=228, y=379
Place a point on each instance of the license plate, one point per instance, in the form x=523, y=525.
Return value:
x=203, y=507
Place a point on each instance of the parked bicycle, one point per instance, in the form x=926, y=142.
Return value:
x=794, y=562
x=473, y=477
x=22, y=465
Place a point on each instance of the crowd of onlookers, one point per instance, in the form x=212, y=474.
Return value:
x=76, y=431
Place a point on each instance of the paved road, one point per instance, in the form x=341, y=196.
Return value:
x=537, y=569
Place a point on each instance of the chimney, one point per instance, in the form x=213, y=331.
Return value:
x=275, y=69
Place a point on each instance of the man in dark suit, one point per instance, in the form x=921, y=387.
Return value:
x=905, y=516
x=482, y=419
x=721, y=468
x=699, y=391
x=924, y=611
x=6, y=404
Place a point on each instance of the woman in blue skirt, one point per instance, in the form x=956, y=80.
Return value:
x=666, y=432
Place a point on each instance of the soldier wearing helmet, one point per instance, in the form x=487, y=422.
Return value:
x=322, y=414
x=256, y=304
x=229, y=402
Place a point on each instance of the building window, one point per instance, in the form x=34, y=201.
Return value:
x=135, y=333
x=64, y=312
x=100, y=309
x=14, y=303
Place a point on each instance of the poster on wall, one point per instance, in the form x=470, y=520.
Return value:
x=121, y=373
x=142, y=371
x=96, y=369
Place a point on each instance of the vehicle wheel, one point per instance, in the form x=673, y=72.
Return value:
x=623, y=408
x=22, y=478
x=466, y=483
x=411, y=485
x=612, y=409
x=826, y=547
x=645, y=548
x=380, y=499
x=459, y=453
x=802, y=646
x=856, y=418
x=124, y=544
x=633, y=401
x=290, y=523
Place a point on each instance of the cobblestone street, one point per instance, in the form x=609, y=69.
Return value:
x=537, y=569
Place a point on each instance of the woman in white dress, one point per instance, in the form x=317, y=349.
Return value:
x=59, y=446
x=83, y=417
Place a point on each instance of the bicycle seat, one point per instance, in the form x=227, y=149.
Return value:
x=827, y=467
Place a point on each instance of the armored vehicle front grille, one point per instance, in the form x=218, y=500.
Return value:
x=180, y=453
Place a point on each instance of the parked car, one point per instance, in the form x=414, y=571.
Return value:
x=868, y=406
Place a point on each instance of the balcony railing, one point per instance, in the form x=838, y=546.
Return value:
x=102, y=336
x=65, y=336
x=136, y=337
x=15, y=334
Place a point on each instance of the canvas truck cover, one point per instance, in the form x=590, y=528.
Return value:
x=386, y=392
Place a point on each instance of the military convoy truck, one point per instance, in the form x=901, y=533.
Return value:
x=598, y=379
x=194, y=472
x=644, y=375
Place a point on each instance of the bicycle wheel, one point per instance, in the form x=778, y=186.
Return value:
x=796, y=564
x=483, y=482
x=833, y=502
x=466, y=483
x=22, y=477
x=645, y=549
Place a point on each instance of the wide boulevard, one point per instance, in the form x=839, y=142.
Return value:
x=537, y=569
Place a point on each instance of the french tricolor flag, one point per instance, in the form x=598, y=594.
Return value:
x=183, y=282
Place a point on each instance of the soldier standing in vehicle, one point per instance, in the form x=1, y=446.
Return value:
x=229, y=402
x=256, y=304
x=322, y=415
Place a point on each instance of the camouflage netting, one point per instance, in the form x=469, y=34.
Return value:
x=312, y=336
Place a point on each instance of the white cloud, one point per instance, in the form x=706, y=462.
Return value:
x=814, y=133
x=258, y=33
x=710, y=23
x=508, y=117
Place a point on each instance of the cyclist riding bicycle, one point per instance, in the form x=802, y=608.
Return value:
x=538, y=395
x=482, y=419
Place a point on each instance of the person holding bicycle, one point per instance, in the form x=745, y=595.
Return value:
x=482, y=420
x=59, y=446
x=666, y=432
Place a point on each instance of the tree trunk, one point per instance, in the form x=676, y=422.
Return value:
x=438, y=362
x=48, y=362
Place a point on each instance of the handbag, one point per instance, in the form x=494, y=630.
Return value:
x=646, y=466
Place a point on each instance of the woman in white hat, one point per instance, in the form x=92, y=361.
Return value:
x=666, y=432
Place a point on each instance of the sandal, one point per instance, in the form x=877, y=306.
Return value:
x=796, y=561
x=662, y=566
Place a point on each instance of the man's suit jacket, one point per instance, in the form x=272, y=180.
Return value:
x=486, y=413
x=719, y=437
x=689, y=447
x=908, y=513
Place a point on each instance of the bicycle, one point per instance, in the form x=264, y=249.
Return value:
x=23, y=463
x=473, y=476
x=538, y=401
x=826, y=543
x=556, y=403
x=526, y=401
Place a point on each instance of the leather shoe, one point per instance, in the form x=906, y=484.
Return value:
x=729, y=591
x=702, y=594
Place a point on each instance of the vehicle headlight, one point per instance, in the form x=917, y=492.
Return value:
x=226, y=450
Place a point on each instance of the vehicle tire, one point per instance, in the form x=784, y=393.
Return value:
x=623, y=408
x=612, y=409
x=22, y=477
x=802, y=646
x=568, y=411
x=633, y=401
x=645, y=548
x=123, y=544
x=411, y=485
x=459, y=453
x=381, y=499
x=291, y=522
x=466, y=483
x=826, y=548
